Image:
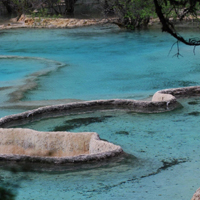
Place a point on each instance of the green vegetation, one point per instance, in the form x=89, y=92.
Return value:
x=136, y=14
x=42, y=7
x=133, y=13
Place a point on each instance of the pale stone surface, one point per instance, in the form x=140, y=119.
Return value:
x=196, y=195
x=99, y=146
x=31, y=143
x=182, y=92
x=36, y=22
x=162, y=97
x=13, y=20
x=34, y=143
x=82, y=147
x=22, y=18
x=169, y=95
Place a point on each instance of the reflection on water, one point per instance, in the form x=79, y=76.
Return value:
x=75, y=123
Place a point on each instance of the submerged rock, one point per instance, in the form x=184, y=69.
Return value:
x=193, y=103
x=122, y=132
x=194, y=113
x=78, y=122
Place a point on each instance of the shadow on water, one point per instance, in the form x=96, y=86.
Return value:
x=76, y=123
x=194, y=102
x=194, y=113
x=124, y=159
x=21, y=173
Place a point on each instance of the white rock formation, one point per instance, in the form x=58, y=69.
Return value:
x=27, y=143
x=162, y=97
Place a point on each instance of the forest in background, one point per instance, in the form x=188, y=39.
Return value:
x=131, y=14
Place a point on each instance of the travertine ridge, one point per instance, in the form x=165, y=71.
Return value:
x=49, y=147
x=53, y=147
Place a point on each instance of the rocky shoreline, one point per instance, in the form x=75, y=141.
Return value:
x=46, y=22
x=36, y=22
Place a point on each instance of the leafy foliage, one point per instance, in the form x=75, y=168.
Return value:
x=133, y=13
x=136, y=13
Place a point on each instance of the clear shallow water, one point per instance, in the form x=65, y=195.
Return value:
x=19, y=72
x=16, y=68
x=166, y=146
x=142, y=135
x=101, y=63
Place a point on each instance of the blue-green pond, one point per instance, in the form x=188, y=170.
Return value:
x=103, y=62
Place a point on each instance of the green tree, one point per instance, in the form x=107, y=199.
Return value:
x=58, y=7
x=133, y=13
x=8, y=6
x=136, y=13
x=20, y=7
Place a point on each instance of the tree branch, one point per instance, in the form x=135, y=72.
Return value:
x=168, y=27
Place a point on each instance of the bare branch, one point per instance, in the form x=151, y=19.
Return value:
x=168, y=27
x=178, y=50
x=172, y=47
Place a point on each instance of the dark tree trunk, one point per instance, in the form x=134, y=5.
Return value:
x=108, y=10
x=8, y=6
x=69, y=6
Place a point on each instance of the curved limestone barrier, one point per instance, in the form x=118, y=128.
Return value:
x=59, y=147
x=29, y=81
x=62, y=147
x=69, y=108
x=55, y=147
x=171, y=94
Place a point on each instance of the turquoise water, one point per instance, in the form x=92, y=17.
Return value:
x=103, y=62
x=165, y=146
x=18, y=72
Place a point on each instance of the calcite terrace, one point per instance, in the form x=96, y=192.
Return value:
x=53, y=147
x=62, y=147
